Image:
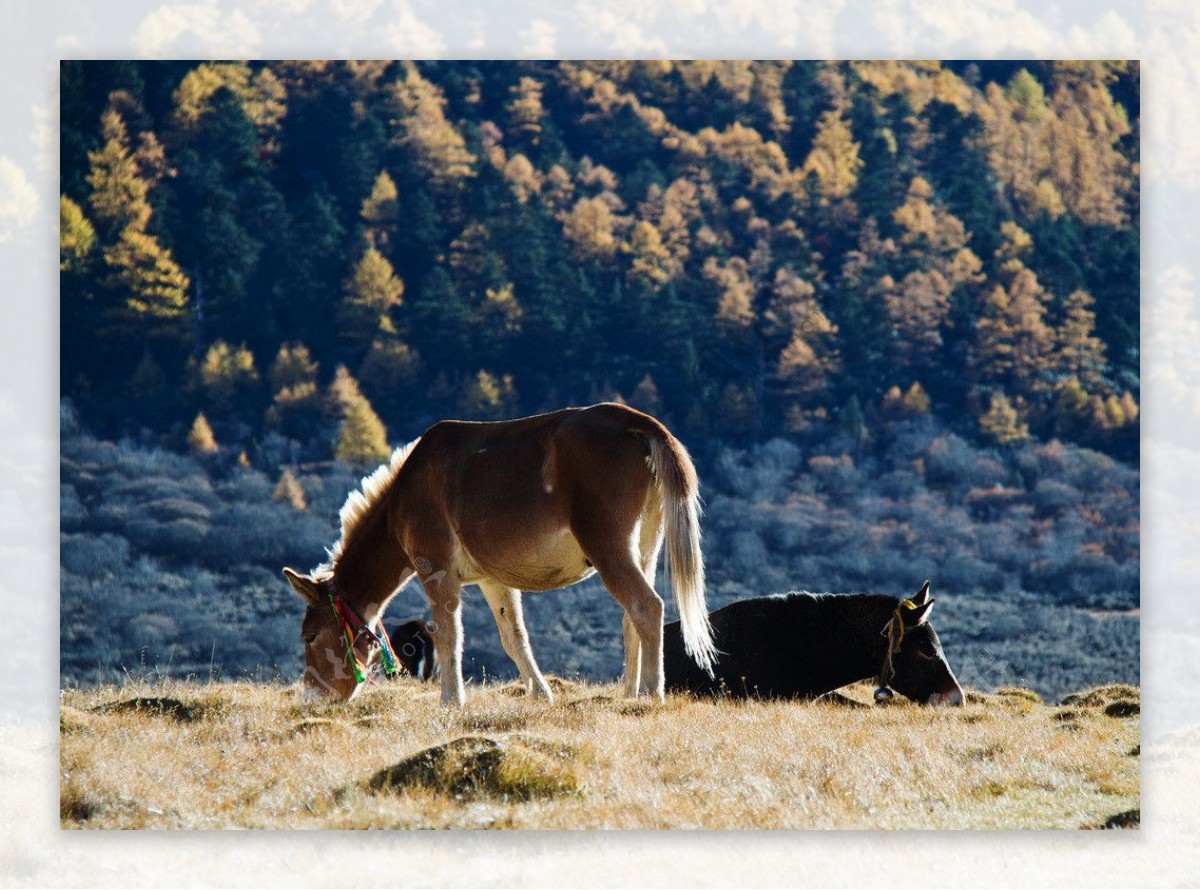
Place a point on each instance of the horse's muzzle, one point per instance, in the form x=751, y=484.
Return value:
x=320, y=694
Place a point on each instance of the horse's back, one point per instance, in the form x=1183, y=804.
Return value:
x=511, y=459
x=513, y=491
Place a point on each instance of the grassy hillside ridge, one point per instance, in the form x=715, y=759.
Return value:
x=224, y=755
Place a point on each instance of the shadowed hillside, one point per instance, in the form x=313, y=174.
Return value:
x=171, y=563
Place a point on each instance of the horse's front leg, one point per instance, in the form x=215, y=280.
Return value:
x=505, y=603
x=445, y=601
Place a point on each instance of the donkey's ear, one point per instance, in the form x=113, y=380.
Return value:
x=919, y=614
x=303, y=585
x=921, y=595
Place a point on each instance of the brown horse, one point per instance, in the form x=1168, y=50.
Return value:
x=530, y=504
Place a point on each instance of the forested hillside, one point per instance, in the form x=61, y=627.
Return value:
x=891, y=308
x=319, y=251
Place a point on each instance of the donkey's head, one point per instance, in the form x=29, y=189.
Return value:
x=330, y=673
x=919, y=669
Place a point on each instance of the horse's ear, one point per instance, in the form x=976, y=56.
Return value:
x=303, y=585
x=921, y=595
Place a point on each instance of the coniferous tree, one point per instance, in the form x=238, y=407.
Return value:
x=361, y=437
x=227, y=376
x=1081, y=353
x=288, y=490
x=76, y=239
x=200, y=437
x=834, y=159
x=436, y=147
x=651, y=262
x=1002, y=424
x=119, y=194
x=295, y=401
x=525, y=110
x=315, y=270
x=441, y=319
x=487, y=397
x=371, y=292
x=223, y=199
x=381, y=212
x=155, y=287
x=589, y=229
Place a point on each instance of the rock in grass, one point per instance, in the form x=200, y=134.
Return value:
x=478, y=766
x=165, y=707
x=1019, y=693
x=1123, y=709
x=1100, y=696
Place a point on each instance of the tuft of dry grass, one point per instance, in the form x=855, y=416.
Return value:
x=255, y=756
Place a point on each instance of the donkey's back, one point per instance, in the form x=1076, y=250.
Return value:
x=803, y=645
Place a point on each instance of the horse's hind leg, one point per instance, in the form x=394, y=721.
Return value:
x=633, y=656
x=650, y=541
x=623, y=577
x=505, y=603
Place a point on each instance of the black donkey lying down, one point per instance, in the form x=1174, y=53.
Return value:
x=804, y=645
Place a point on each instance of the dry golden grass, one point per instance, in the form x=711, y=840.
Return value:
x=255, y=756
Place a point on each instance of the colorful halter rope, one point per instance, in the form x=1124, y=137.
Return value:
x=352, y=624
x=894, y=631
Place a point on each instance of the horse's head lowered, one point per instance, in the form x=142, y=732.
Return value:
x=339, y=645
x=914, y=663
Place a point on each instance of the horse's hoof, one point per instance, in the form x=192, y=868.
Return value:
x=883, y=695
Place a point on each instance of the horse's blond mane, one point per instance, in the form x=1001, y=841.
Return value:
x=359, y=503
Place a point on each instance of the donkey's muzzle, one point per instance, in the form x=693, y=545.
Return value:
x=952, y=698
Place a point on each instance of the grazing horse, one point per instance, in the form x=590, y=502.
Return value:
x=529, y=504
x=802, y=645
x=414, y=648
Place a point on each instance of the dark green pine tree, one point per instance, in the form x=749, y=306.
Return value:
x=544, y=281
x=883, y=147
x=1112, y=258
x=314, y=270
x=856, y=306
x=805, y=101
x=223, y=198
x=440, y=323
x=955, y=165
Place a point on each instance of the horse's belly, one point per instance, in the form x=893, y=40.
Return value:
x=549, y=560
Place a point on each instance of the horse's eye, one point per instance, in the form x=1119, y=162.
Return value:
x=309, y=639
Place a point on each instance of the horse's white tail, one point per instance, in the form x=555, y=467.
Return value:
x=684, y=563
